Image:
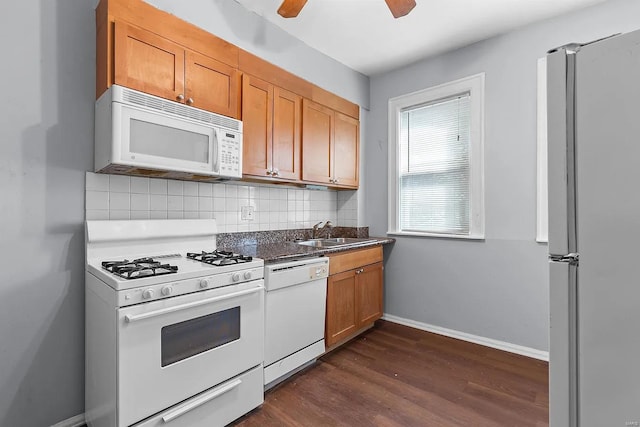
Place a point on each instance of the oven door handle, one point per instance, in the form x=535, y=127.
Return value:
x=189, y=406
x=130, y=318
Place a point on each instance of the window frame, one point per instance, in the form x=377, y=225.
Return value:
x=474, y=85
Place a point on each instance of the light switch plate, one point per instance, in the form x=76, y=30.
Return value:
x=247, y=213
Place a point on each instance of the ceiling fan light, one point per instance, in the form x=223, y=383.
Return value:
x=291, y=8
x=400, y=8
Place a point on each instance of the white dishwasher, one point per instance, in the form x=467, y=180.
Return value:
x=295, y=302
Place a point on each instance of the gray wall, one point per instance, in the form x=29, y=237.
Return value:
x=46, y=135
x=496, y=288
x=46, y=128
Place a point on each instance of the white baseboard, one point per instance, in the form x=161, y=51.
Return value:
x=76, y=421
x=487, y=342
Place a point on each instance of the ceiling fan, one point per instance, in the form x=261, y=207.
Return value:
x=398, y=8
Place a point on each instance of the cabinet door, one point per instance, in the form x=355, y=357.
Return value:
x=341, y=307
x=286, y=134
x=345, y=158
x=368, y=294
x=317, y=142
x=257, y=113
x=211, y=85
x=147, y=62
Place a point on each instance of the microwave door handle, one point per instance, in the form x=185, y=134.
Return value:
x=216, y=166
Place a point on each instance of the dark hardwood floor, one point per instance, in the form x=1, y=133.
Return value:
x=396, y=376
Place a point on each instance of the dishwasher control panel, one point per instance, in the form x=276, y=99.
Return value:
x=318, y=271
x=279, y=275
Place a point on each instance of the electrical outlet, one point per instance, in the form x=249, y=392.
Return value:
x=247, y=213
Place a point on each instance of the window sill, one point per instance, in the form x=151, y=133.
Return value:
x=445, y=236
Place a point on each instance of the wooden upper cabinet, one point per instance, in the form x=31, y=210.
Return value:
x=257, y=113
x=347, y=143
x=330, y=144
x=286, y=134
x=211, y=85
x=147, y=62
x=317, y=142
x=294, y=131
x=271, y=130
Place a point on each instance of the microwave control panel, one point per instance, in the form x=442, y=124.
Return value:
x=230, y=153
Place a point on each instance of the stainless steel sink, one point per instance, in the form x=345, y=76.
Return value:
x=332, y=243
x=316, y=243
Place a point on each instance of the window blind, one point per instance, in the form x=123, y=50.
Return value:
x=434, y=167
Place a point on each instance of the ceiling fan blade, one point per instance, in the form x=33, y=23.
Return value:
x=291, y=8
x=400, y=7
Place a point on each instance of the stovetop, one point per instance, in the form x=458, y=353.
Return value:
x=219, y=258
x=138, y=268
x=128, y=272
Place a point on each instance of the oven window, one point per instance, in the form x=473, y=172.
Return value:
x=195, y=336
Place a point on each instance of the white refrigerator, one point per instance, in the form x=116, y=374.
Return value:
x=593, y=94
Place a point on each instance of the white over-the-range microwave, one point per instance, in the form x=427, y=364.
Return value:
x=141, y=134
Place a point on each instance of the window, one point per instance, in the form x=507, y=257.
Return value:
x=436, y=161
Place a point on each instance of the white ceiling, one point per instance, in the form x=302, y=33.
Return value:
x=363, y=35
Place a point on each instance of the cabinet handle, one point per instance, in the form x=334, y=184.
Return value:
x=331, y=180
x=335, y=181
x=190, y=101
x=180, y=97
x=269, y=172
x=275, y=172
x=361, y=270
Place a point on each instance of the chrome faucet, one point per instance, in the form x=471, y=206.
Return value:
x=316, y=231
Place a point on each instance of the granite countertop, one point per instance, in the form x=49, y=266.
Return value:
x=284, y=250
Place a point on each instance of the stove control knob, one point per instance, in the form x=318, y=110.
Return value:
x=247, y=275
x=147, y=294
x=167, y=290
x=204, y=283
x=235, y=277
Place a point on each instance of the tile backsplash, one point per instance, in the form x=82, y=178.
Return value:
x=275, y=207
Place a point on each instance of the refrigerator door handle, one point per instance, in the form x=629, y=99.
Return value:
x=572, y=258
x=561, y=152
x=563, y=346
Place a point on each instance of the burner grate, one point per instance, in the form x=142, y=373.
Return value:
x=138, y=268
x=219, y=258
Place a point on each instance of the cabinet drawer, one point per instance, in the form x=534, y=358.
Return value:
x=345, y=261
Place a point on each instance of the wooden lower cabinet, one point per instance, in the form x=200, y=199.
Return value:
x=354, y=296
x=341, y=307
x=369, y=294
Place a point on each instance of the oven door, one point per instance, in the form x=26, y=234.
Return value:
x=155, y=140
x=172, y=349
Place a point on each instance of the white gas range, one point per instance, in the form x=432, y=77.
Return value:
x=174, y=329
